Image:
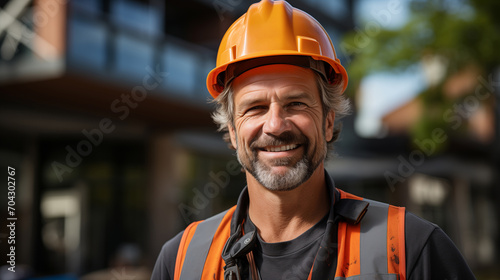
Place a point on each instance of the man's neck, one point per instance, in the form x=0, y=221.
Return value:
x=284, y=215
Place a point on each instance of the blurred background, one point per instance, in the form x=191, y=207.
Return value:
x=105, y=117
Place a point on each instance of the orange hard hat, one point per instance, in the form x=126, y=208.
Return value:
x=273, y=32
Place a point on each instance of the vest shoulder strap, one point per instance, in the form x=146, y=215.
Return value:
x=199, y=246
x=374, y=246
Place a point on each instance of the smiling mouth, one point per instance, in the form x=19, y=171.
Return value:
x=283, y=148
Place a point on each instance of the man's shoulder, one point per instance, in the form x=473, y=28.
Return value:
x=416, y=224
x=427, y=245
x=430, y=253
x=165, y=263
x=172, y=245
x=168, y=252
x=417, y=233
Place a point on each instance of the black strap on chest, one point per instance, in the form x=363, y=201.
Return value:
x=351, y=210
x=234, y=249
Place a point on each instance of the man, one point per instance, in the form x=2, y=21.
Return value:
x=278, y=87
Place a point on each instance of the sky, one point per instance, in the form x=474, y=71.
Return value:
x=383, y=92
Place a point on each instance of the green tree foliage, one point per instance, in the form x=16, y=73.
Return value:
x=461, y=33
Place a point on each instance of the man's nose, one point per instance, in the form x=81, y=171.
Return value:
x=276, y=122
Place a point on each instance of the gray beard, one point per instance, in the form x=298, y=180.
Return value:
x=294, y=177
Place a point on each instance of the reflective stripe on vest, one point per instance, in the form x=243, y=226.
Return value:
x=374, y=248
x=198, y=245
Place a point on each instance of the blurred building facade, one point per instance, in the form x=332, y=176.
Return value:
x=105, y=117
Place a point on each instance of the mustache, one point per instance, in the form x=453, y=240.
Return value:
x=286, y=138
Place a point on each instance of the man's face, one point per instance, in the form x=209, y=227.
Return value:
x=279, y=131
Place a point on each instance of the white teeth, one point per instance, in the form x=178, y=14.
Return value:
x=282, y=148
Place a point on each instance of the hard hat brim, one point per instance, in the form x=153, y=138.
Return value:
x=215, y=87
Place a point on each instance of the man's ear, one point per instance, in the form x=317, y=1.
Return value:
x=232, y=135
x=329, y=123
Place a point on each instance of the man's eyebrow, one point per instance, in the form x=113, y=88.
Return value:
x=250, y=102
x=299, y=95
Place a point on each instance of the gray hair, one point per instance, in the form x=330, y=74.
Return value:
x=331, y=96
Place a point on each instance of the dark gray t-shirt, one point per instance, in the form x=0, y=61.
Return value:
x=290, y=259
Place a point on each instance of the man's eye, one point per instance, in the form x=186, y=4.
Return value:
x=255, y=108
x=297, y=104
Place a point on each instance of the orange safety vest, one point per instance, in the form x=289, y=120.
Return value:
x=371, y=249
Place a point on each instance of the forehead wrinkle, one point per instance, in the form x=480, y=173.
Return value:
x=266, y=84
x=285, y=92
x=299, y=95
x=251, y=97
